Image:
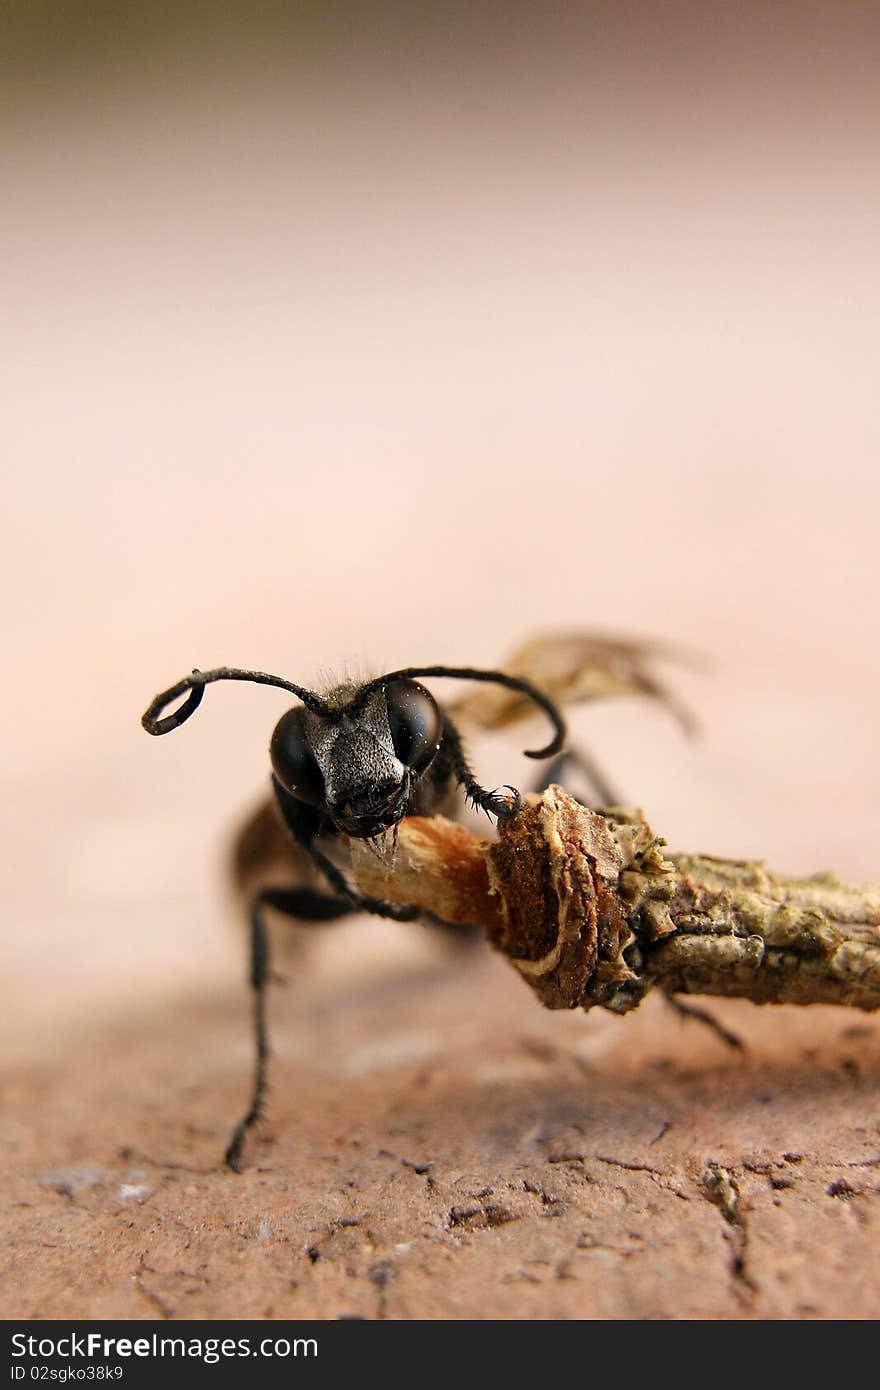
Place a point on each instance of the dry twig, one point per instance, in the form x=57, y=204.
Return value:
x=590, y=911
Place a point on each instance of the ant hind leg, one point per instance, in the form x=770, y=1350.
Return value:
x=302, y=904
x=690, y=1012
x=601, y=789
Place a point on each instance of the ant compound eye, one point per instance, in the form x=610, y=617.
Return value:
x=293, y=760
x=415, y=723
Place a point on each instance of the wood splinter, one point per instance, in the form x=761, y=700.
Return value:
x=590, y=911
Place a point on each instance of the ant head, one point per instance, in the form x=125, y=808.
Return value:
x=359, y=761
x=358, y=753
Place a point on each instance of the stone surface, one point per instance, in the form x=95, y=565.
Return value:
x=439, y=1146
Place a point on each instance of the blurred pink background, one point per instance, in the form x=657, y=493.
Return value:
x=362, y=344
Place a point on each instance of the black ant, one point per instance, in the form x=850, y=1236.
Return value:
x=352, y=762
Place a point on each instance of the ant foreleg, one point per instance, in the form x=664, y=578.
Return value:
x=304, y=831
x=494, y=803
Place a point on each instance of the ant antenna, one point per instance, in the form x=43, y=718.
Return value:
x=195, y=684
x=469, y=673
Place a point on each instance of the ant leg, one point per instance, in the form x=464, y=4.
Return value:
x=301, y=823
x=305, y=905
x=459, y=936
x=357, y=901
x=494, y=803
x=589, y=768
x=691, y=1012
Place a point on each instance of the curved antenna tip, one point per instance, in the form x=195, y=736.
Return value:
x=151, y=721
x=553, y=747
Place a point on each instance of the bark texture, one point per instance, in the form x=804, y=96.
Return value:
x=590, y=910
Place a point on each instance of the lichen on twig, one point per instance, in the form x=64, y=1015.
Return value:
x=591, y=910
